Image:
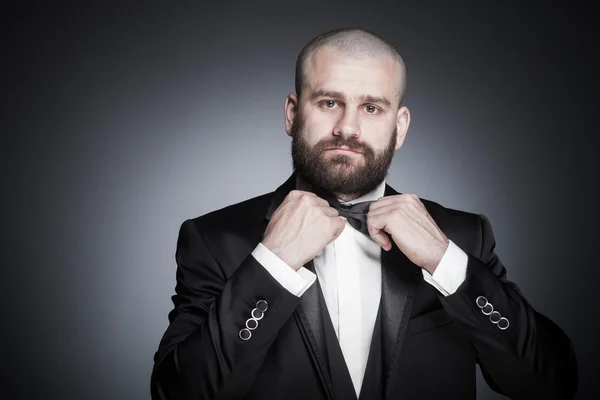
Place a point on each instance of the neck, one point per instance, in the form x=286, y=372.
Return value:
x=346, y=197
x=302, y=184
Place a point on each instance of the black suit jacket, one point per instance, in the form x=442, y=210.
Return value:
x=430, y=343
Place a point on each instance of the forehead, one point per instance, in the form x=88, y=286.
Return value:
x=330, y=70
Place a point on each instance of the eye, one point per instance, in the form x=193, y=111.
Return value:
x=371, y=109
x=329, y=104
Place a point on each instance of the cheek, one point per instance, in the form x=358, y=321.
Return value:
x=382, y=135
x=317, y=130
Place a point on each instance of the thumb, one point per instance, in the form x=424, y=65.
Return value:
x=339, y=227
x=381, y=237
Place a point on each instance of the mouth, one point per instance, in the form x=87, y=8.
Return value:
x=343, y=149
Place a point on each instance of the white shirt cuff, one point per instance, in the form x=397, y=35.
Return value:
x=296, y=282
x=451, y=272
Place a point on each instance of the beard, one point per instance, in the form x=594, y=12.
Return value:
x=340, y=174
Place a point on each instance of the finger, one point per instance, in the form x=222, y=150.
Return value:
x=417, y=201
x=322, y=202
x=387, y=200
x=382, y=238
x=382, y=210
x=411, y=209
x=399, y=198
x=381, y=202
x=314, y=199
x=297, y=193
x=376, y=228
x=339, y=225
x=414, y=200
x=329, y=211
x=305, y=194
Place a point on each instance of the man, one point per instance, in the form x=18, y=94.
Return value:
x=296, y=294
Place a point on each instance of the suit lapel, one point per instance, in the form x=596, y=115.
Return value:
x=279, y=195
x=308, y=315
x=399, y=277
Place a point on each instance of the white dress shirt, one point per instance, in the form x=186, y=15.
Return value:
x=349, y=272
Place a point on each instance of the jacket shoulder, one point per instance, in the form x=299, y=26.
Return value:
x=230, y=233
x=243, y=213
x=462, y=227
x=436, y=209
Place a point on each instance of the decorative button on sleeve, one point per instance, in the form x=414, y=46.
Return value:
x=495, y=318
x=252, y=323
x=262, y=305
x=257, y=314
x=503, y=323
x=481, y=301
x=245, y=334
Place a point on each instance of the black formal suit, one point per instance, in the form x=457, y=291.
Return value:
x=425, y=345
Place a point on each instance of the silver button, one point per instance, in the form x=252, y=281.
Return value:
x=481, y=302
x=495, y=317
x=257, y=314
x=262, y=305
x=487, y=310
x=245, y=334
x=251, y=324
x=503, y=323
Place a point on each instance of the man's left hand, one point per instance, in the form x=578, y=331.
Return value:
x=404, y=218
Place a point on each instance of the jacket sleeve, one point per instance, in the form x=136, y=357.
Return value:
x=522, y=353
x=207, y=351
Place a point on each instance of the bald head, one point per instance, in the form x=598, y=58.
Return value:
x=354, y=43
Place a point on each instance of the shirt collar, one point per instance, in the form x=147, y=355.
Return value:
x=373, y=195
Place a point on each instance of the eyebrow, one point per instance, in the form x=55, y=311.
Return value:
x=339, y=95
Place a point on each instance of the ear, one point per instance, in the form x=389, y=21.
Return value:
x=290, y=110
x=402, y=123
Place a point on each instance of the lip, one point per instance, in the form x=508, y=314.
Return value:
x=344, y=149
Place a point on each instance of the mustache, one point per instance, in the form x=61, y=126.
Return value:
x=342, y=142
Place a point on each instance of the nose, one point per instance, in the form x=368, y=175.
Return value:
x=348, y=124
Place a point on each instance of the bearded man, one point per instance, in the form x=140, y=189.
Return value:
x=335, y=286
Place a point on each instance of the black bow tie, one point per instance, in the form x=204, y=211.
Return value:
x=356, y=214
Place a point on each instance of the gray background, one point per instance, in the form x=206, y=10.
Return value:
x=121, y=122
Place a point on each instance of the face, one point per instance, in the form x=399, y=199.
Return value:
x=339, y=171
x=347, y=124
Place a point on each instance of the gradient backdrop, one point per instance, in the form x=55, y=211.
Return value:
x=121, y=122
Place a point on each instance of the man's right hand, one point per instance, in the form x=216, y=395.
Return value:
x=301, y=227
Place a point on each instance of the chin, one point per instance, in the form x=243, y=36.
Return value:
x=340, y=176
x=341, y=160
